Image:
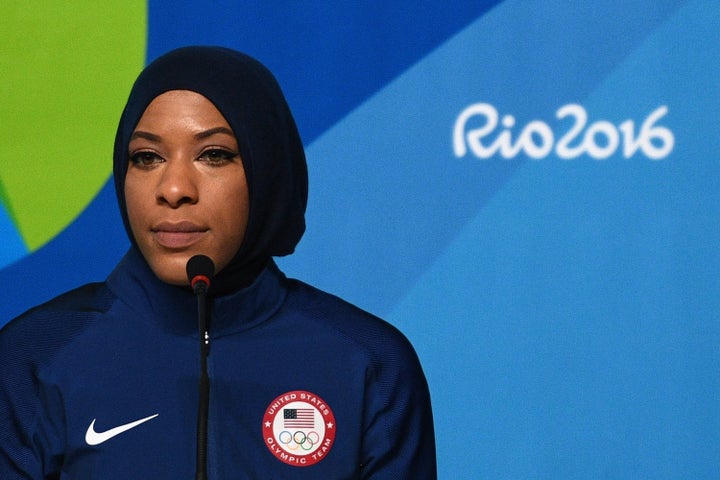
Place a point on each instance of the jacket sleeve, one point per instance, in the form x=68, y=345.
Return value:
x=25, y=435
x=399, y=439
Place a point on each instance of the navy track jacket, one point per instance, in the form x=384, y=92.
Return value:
x=102, y=383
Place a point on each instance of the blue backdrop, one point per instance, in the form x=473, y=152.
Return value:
x=528, y=189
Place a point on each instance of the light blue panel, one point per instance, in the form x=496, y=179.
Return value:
x=571, y=330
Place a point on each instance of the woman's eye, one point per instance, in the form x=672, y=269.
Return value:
x=217, y=156
x=146, y=159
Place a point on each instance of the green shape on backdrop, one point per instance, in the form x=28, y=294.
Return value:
x=67, y=68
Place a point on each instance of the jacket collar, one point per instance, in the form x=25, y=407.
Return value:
x=175, y=308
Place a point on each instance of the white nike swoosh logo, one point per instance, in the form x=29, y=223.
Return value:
x=94, y=438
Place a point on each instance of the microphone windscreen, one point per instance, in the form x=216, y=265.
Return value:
x=200, y=265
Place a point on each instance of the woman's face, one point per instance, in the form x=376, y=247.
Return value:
x=185, y=189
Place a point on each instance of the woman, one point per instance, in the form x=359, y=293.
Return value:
x=102, y=381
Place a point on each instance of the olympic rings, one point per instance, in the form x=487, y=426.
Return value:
x=293, y=441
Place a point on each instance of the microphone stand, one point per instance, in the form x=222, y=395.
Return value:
x=200, y=270
x=204, y=383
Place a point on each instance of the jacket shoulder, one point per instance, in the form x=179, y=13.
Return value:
x=381, y=340
x=47, y=326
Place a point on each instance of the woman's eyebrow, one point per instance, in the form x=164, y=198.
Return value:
x=213, y=131
x=146, y=135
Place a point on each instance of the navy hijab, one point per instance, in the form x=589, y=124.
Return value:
x=250, y=99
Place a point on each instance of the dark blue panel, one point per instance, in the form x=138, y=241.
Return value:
x=328, y=56
x=85, y=251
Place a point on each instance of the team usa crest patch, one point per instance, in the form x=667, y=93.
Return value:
x=299, y=428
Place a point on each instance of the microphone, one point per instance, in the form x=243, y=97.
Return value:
x=200, y=270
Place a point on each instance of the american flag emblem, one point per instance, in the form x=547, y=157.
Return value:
x=299, y=418
x=299, y=428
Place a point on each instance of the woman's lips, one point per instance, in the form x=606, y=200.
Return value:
x=178, y=235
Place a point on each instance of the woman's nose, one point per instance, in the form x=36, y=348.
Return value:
x=178, y=183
